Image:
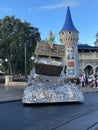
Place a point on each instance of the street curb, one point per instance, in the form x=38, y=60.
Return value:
x=1, y=102
x=90, y=92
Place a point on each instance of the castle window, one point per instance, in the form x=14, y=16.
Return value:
x=69, y=32
x=70, y=57
x=70, y=49
x=62, y=33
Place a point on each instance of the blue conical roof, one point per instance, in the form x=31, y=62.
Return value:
x=96, y=38
x=97, y=34
x=68, y=25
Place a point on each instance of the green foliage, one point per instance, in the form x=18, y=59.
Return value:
x=15, y=36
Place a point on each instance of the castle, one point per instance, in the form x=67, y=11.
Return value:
x=79, y=58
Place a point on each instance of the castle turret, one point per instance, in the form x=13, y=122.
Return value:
x=96, y=42
x=69, y=38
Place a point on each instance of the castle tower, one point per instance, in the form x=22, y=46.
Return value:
x=69, y=38
x=96, y=42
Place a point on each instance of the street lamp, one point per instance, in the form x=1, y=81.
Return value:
x=32, y=57
x=6, y=60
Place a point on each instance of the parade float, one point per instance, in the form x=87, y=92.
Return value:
x=47, y=81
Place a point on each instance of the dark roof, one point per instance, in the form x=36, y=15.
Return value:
x=86, y=46
x=68, y=25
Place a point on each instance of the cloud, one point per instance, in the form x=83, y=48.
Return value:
x=29, y=9
x=51, y=7
x=5, y=9
x=73, y=2
x=61, y=5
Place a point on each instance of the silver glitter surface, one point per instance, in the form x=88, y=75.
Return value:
x=50, y=89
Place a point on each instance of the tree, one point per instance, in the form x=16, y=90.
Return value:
x=15, y=37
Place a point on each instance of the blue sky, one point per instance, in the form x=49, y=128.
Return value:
x=49, y=15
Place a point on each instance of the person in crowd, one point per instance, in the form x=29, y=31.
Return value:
x=82, y=81
x=93, y=81
x=97, y=79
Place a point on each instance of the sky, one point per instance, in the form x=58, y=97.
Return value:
x=49, y=15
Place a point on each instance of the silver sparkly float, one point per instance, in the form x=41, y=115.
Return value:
x=46, y=83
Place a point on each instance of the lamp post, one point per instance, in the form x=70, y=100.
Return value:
x=0, y=64
x=25, y=51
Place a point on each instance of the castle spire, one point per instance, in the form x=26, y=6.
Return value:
x=68, y=25
x=69, y=38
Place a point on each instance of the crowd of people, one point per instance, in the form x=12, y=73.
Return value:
x=92, y=80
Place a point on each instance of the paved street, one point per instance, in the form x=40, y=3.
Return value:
x=10, y=93
x=60, y=116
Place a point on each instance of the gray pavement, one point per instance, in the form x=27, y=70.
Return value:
x=59, y=116
x=12, y=93
x=47, y=117
x=88, y=89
